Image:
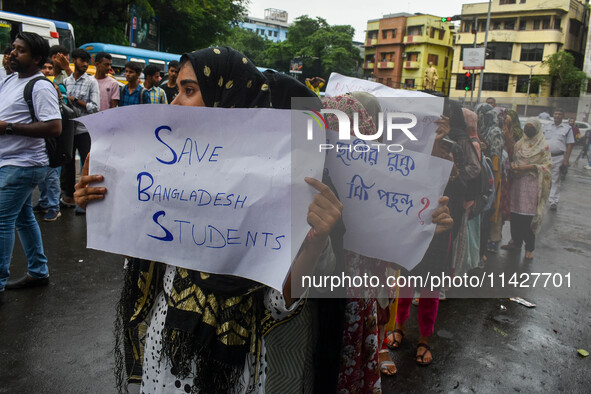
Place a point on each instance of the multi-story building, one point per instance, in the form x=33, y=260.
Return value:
x=522, y=33
x=384, y=48
x=399, y=48
x=428, y=40
x=274, y=27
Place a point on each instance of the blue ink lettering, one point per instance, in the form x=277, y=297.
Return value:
x=239, y=201
x=230, y=238
x=358, y=190
x=168, y=235
x=204, y=236
x=180, y=222
x=157, y=133
x=249, y=236
x=211, y=157
x=400, y=163
x=185, y=152
x=141, y=191
x=278, y=243
x=211, y=230
x=266, y=236
x=197, y=152
x=203, y=192
x=393, y=199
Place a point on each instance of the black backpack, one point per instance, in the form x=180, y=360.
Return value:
x=60, y=149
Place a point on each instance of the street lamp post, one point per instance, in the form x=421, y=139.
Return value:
x=531, y=69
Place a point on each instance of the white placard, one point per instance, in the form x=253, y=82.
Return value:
x=388, y=198
x=208, y=189
x=427, y=108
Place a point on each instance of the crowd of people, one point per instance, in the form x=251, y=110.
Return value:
x=241, y=336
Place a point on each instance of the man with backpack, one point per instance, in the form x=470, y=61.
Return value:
x=23, y=157
x=83, y=94
x=133, y=93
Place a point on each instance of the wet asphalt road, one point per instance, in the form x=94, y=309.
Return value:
x=58, y=339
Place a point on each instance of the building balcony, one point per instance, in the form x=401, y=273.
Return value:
x=369, y=65
x=370, y=42
x=411, y=64
x=415, y=39
x=514, y=36
x=385, y=64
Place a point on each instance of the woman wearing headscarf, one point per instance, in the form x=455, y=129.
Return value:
x=511, y=133
x=531, y=173
x=472, y=251
x=216, y=343
x=361, y=361
x=367, y=310
x=491, y=136
x=437, y=258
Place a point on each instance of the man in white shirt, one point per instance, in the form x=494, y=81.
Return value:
x=560, y=140
x=23, y=157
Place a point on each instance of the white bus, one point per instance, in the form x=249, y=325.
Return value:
x=55, y=32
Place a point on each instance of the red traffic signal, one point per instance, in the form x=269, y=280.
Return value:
x=446, y=19
x=467, y=81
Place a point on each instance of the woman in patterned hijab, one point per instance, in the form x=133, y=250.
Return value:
x=189, y=331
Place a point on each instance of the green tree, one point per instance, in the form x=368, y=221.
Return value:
x=566, y=79
x=322, y=48
x=248, y=42
x=185, y=25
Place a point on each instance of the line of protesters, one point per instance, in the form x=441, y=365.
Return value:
x=180, y=330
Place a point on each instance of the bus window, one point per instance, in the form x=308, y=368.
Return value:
x=141, y=62
x=66, y=39
x=6, y=35
x=157, y=63
x=118, y=63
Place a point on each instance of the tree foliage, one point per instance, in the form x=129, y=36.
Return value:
x=322, y=48
x=248, y=42
x=185, y=25
x=567, y=80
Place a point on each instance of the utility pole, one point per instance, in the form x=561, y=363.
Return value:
x=475, y=31
x=485, y=43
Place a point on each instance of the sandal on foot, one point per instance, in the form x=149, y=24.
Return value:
x=384, y=368
x=421, y=356
x=395, y=344
x=530, y=257
x=387, y=363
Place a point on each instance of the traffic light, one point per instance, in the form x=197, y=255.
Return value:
x=468, y=81
x=446, y=19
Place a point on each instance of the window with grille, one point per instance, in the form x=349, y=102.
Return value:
x=532, y=52
x=495, y=82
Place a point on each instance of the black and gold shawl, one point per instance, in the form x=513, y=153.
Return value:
x=213, y=321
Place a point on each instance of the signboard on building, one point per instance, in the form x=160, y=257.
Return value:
x=473, y=58
x=145, y=33
x=296, y=66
